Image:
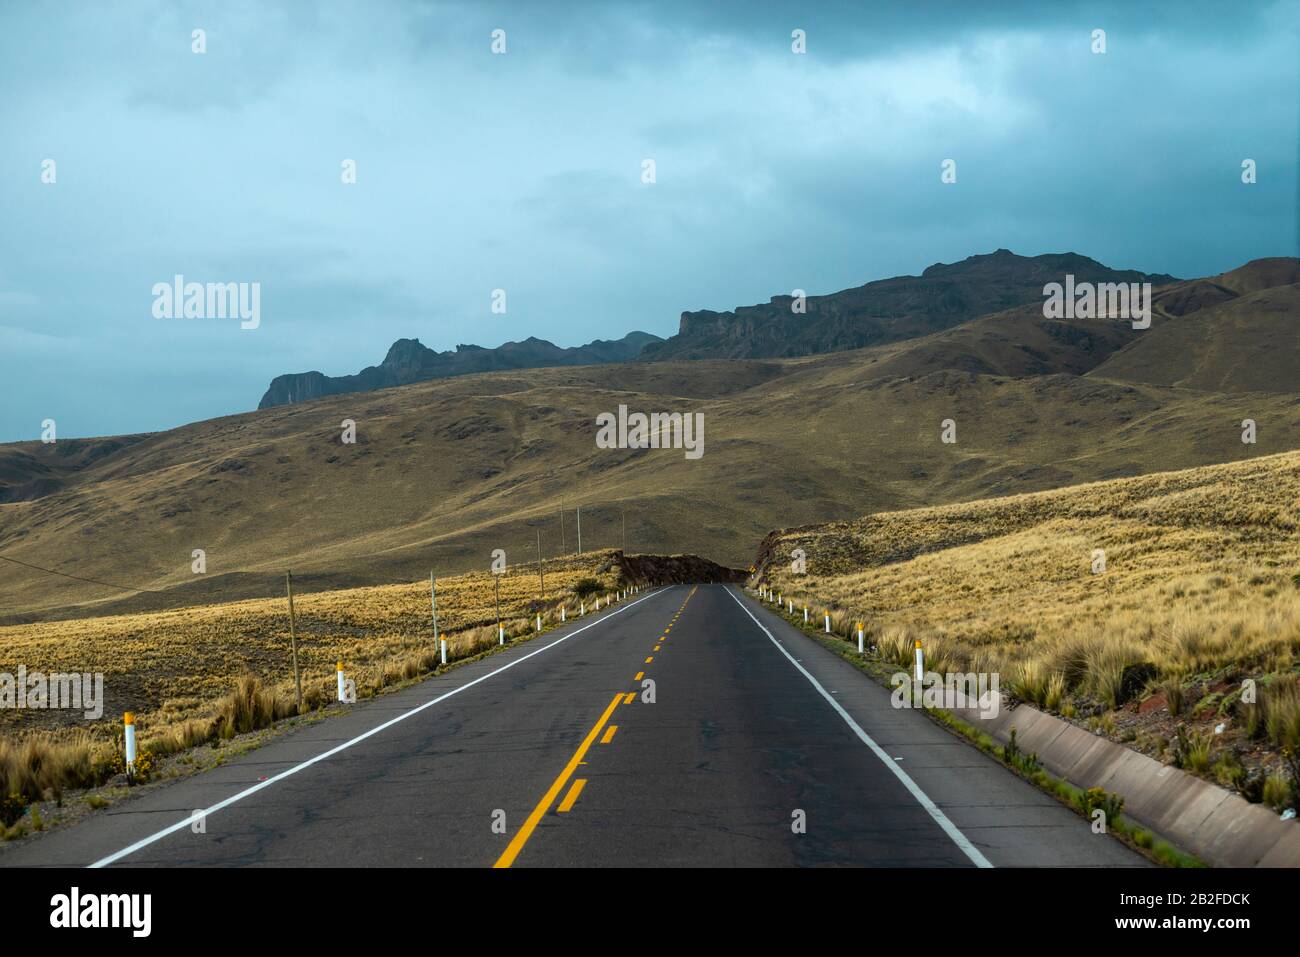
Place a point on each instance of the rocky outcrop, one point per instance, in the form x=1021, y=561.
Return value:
x=675, y=570
x=889, y=310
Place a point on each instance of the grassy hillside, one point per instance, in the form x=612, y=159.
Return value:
x=1200, y=590
x=1245, y=344
x=443, y=472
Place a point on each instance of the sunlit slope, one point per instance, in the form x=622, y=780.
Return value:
x=1192, y=572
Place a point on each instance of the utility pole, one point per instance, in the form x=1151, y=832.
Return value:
x=579, y=529
x=540, y=573
x=433, y=604
x=561, y=528
x=623, y=513
x=293, y=640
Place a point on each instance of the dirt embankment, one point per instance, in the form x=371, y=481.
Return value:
x=675, y=569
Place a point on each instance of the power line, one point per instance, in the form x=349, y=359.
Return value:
x=93, y=581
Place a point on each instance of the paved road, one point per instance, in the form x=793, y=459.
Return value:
x=761, y=748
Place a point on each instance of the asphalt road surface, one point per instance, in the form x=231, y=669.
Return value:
x=760, y=748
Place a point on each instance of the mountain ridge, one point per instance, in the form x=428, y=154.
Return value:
x=408, y=360
x=944, y=296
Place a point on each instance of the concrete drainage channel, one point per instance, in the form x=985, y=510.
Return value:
x=1218, y=826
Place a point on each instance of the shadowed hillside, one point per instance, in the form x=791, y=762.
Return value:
x=1249, y=343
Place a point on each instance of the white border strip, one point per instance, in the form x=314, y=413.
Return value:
x=960, y=839
x=197, y=815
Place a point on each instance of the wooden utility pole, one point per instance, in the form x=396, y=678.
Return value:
x=579, y=529
x=540, y=572
x=497, y=582
x=433, y=604
x=561, y=528
x=623, y=512
x=293, y=640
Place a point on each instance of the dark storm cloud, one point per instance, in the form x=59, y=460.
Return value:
x=522, y=171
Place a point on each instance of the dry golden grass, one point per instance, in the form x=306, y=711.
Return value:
x=1201, y=584
x=198, y=674
x=1200, y=568
x=172, y=665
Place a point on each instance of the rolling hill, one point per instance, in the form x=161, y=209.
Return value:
x=442, y=472
x=1246, y=343
x=445, y=470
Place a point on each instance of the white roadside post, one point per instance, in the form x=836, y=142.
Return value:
x=827, y=615
x=539, y=621
x=563, y=614
x=860, y=639
x=342, y=694
x=805, y=614
x=918, y=686
x=442, y=645
x=790, y=601
x=501, y=633
x=128, y=728
x=582, y=609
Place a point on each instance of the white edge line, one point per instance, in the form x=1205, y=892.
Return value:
x=197, y=815
x=922, y=798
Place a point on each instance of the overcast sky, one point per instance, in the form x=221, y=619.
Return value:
x=523, y=171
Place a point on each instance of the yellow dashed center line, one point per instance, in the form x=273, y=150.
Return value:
x=521, y=838
x=530, y=825
x=567, y=804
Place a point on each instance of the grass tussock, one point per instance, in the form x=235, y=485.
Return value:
x=42, y=766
